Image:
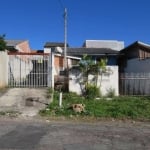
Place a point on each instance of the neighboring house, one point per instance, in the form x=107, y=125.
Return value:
x=135, y=58
x=57, y=48
x=109, y=79
x=95, y=53
x=57, y=62
x=18, y=45
x=97, y=50
x=134, y=68
x=110, y=44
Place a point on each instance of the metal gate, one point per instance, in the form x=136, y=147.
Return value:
x=134, y=83
x=28, y=70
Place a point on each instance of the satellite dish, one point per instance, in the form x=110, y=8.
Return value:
x=58, y=49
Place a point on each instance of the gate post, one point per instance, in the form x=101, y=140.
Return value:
x=51, y=70
x=4, y=69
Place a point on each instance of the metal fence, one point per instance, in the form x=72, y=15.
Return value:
x=28, y=70
x=134, y=84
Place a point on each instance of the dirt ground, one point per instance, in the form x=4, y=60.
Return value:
x=26, y=101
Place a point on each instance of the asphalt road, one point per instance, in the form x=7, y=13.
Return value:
x=20, y=134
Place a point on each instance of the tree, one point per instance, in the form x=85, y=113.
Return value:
x=85, y=64
x=2, y=43
x=87, y=67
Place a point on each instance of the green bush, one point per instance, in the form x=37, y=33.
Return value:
x=110, y=92
x=92, y=92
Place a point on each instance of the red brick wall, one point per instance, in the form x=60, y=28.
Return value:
x=58, y=61
x=24, y=47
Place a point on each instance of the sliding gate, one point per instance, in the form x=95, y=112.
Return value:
x=28, y=70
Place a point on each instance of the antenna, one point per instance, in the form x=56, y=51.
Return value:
x=65, y=39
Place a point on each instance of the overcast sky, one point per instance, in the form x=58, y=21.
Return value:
x=40, y=21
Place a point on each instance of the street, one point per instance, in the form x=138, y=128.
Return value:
x=31, y=134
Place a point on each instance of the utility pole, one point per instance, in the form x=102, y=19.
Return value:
x=65, y=39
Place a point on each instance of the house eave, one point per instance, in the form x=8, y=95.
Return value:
x=136, y=44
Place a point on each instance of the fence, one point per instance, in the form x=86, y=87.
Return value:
x=134, y=84
x=28, y=70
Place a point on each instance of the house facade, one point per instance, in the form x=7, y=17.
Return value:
x=18, y=45
x=135, y=58
x=108, y=81
x=134, y=69
x=129, y=71
x=58, y=76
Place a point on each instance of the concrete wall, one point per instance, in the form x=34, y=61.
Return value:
x=18, y=68
x=137, y=66
x=24, y=47
x=108, y=81
x=112, y=44
x=3, y=69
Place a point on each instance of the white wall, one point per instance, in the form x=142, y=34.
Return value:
x=113, y=44
x=47, y=50
x=137, y=66
x=3, y=69
x=109, y=80
x=19, y=68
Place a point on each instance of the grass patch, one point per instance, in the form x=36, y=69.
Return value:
x=118, y=107
x=9, y=113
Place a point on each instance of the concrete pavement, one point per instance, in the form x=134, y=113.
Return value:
x=27, y=101
x=42, y=135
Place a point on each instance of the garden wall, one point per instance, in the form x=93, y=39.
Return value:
x=107, y=82
x=3, y=69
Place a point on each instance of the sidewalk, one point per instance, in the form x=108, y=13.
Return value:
x=27, y=101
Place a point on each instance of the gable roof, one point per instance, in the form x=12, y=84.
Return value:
x=91, y=51
x=136, y=44
x=13, y=43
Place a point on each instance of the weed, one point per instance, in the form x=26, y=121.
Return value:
x=118, y=107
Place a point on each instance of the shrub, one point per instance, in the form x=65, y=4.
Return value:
x=92, y=92
x=110, y=92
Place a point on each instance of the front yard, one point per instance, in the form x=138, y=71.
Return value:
x=137, y=108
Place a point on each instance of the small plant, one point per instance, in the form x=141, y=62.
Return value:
x=92, y=92
x=71, y=96
x=9, y=113
x=50, y=93
x=110, y=92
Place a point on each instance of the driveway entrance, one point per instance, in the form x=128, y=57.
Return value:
x=28, y=69
x=25, y=101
